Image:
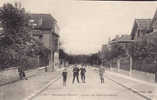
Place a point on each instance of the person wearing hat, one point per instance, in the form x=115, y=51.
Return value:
x=64, y=75
x=83, y=71
x=75, y=73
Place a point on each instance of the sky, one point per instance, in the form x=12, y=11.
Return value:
x=86, y=25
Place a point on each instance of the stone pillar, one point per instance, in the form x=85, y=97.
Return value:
x=131, y=64
x=156, y=77
x=56, y=60
x=51, y=62
x=155, y=70
x=118, y=64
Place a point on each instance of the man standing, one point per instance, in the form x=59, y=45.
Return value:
x=75, y=73
x=83, y=71
x=101, y=74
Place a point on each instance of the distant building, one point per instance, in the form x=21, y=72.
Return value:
x=121, y=40
x=45, y=29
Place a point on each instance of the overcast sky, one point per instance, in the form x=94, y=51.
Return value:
x=86, y=25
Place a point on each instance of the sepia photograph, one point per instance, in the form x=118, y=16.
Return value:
x=78, y=50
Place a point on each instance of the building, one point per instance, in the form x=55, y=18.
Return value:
x=141, y=27
x=45, y=29
x=154, y=22
x=123, y=41
x=144, y=27
x=123, y=58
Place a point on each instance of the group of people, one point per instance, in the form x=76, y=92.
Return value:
x=81, y=71
x=76, y=72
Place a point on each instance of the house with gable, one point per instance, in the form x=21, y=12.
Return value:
x=153, y=24
x=141, y=27
x=45, y=29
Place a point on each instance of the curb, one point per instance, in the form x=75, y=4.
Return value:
x=130, y=78
x=28, y=76
x=126, y=87
x=130, y=89
x=37, y=92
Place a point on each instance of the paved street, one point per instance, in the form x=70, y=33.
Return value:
x=114, y=88
x=21, y=89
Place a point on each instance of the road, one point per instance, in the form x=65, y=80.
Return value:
x=91, y=90
x=11, y=88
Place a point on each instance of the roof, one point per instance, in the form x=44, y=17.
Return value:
x=152, y=35
x=56, y=34
x=154, y=18
x=122, y=39
x=143, y=23
x=42, y=21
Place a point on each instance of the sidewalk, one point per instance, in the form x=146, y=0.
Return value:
x=12, y=76
x=142, y=88
x=24, y=88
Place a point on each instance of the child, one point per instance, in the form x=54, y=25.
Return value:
x=101, y=73
x=76, y=73
x=83, y=71
x=64, y=74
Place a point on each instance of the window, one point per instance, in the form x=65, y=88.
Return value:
x=31, y=20
x=1, y=28
x=40, y=36
x=34, y=24
x=138, y=33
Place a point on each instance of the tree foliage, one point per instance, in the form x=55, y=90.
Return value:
x=14, y=21
x=16, y=42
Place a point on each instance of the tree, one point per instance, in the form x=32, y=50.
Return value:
x=117, y=50
x=15, y=39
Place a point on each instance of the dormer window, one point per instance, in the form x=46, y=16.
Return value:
x=34, y=24
x=40, y=36
x=1, y=28
x=31, y=20
x=138, y=33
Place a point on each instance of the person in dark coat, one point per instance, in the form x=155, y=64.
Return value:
x=83, y=71
x=64, y=75
x=75, y=73
x=22, y=73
